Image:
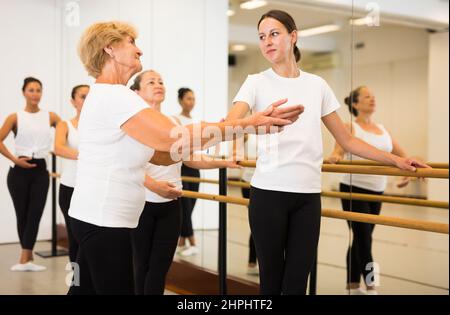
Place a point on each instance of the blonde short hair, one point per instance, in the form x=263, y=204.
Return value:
x=96, y=38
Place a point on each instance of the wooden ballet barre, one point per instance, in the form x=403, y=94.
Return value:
x=385, y=170
x=54, y=175
x=388, y=199
x=373, y=163
x=373, y=170
x=219, y=198
x=389, y=221
x=338, y=214
x=341, y=195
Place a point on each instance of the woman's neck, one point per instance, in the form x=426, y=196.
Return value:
x=77, y=117
x=365, y=119
x=288, y=68
x=155, y=105
x=185, y=113
x=111, y=74
x=29, y=108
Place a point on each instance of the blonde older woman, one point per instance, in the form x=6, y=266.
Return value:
x=118, y=135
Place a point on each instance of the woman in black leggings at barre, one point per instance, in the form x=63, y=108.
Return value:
x=361, y=103
x=155, y=239
x=28, y=180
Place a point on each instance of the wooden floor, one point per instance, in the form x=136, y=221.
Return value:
x=411, y=262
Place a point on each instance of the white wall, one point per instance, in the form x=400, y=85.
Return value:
x=438, y=103
x=186, y=41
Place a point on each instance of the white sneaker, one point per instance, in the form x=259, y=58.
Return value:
x=371, y=292
x=358, y=291
x=181, y=248
x=193, y=250
x=29, y=266
x=19, y=267
x=253, y=271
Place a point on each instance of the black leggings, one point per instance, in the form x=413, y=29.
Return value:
x=28, y=189
x=154, y=242
x=285, y=227
x=188, y=204
x=65, y=195
x=359, y=254
x=251, y=244
x=104, y=260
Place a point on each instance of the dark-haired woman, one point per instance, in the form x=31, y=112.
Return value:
x=28, y=180
x=362, y=105
x=66, y=146
x=285, y=206
x=186, y=99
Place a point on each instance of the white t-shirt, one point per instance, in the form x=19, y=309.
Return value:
x=170, y=173
x=109, y=188
x=382, y=142
x=290, y=161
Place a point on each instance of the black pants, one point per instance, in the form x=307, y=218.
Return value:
x=359, y=254
x=154, y=242
x=285, y=227
x=28, y=189
x=65, y=195
x=104, y=260
x=188, y=204
x=251, y=243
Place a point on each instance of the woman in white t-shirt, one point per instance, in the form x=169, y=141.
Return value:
x=28, y=180
x=66, y=146
x=362, y=105
x=155, y=238
x=118, y=135
x=285, y=206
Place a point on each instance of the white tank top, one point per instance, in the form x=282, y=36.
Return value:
x=171, y=174
x=382, y=142
x=33, y=137
x=184, y=120
x=69, y=167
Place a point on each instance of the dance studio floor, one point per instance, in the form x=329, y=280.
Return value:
x=411, y=262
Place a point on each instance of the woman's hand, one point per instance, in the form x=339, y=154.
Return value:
x=334, y=159
x=229, y=164
x=23, y=162
x=274, y=116
x=403, y=182
x=409, y=164
x=166, y=190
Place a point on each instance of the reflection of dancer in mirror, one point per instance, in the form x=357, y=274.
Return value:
x=28, y=180
x=362, y=105
x=118, y=135
x=66, y=146
x=186, y=99
x=155, y=238
x=285, y=206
